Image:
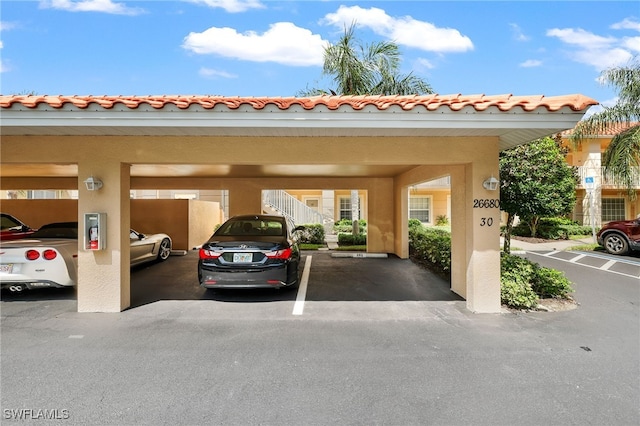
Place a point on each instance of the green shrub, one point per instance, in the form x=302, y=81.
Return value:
x=442, y=220
x=312, y=234
x=548, y=282
x=352, y=240
x=552, y=228
x=515, y=289
x=414, y=223
x=523, y=282
x=346, y=225
x=431, y=245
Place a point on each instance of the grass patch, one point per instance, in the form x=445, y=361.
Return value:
x=309, y=246
x=586, y=247
x=351, y=248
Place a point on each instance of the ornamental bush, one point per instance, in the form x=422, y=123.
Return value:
x=346, y=225
x=522, y=282
x=515, y=288
x=312, y=234
x=431, y=245
x=352, y=240
x=554, y=228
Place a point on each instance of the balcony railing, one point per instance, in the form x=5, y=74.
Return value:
x=602, y=179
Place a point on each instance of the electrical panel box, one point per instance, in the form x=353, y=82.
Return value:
x=95, y=231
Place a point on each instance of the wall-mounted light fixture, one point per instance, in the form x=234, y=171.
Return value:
x=491, y=184
x=93, y=184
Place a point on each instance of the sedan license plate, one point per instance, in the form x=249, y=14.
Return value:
x=242, y=257
x=6, y=269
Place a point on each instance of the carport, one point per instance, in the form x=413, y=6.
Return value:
x=381, y=144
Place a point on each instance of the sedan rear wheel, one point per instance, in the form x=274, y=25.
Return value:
x=616, y=244
x=165, y=250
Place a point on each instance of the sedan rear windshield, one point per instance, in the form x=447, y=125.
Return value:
x=251, y=228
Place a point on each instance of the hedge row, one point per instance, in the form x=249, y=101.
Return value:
x=522, y=282
x=552, y=229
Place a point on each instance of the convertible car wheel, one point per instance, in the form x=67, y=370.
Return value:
x=165, y=250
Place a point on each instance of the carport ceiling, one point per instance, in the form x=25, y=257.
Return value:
x=513, y=119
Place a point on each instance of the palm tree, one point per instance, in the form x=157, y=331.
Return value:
x=366, y=70
x=621, y=159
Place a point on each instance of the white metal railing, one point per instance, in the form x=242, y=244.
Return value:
x=601, y=178
x=289, y=206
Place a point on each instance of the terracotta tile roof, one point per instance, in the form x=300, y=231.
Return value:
x=611, y=129
x=431, y=102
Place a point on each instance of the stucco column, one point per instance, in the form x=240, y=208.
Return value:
x=482, y=223
x=245, y=197
x=401, y=206
x=459, y=237
x=380, y=223
x=591, y=204
x=104, y=275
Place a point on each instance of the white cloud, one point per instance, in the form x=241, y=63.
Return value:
x=632, y=43
x=626, y=24
x=424, y=64
x=104, y=6
x=598, y=51
x=231, y=6
x=531, y=63
x=518, y=34
x=405, y=30
x=213, y=74
x=6, y=25
x=581, y=37
x=283, y=43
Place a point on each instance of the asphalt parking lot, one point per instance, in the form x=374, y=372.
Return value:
x=379, y=341
x=360, y=280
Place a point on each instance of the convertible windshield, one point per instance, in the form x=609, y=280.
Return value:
x=251, y=228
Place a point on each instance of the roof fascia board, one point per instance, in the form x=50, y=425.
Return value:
x=347, y=118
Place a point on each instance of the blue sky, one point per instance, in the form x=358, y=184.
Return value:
x=274, y=48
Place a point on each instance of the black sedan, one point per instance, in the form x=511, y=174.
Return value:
x=257, y=251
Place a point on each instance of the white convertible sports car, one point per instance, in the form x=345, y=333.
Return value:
x=49, y=257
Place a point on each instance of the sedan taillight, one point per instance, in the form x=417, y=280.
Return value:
x=209, y=254
x=283, y=254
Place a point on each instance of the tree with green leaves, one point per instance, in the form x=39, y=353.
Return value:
x=535, y=182
x=371, y=69
x=621, y=159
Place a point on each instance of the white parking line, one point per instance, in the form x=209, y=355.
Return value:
x=604, y=267
x=575, y=259
x=298, y=307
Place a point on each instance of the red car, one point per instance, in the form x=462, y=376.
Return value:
x=12, y=228
x=621, y=236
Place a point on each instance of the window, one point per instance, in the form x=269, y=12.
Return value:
x=613, y=209
x=345, y=208
x=420, y=208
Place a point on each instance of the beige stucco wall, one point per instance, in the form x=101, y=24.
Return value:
x=188, y=222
